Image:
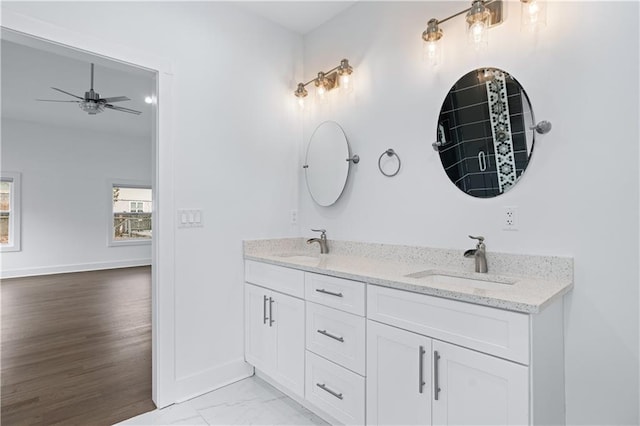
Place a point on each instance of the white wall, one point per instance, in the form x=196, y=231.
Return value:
x=235, y=149
x=65, y=196
x=579, y=196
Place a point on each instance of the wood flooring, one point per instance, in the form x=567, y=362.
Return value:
x=76, y=348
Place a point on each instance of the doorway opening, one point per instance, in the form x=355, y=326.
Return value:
x=67, y=161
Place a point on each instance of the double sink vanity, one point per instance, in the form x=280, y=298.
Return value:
x=384, y=334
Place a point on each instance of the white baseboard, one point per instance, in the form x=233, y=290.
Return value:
x=206, y=381
x=80, y=267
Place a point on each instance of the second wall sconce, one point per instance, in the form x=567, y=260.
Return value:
x=482, y=15
x=337, y=77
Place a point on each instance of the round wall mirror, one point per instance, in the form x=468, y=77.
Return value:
x=326, y=167
x=484, y=135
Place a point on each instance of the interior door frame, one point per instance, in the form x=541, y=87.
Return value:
x=163, y=255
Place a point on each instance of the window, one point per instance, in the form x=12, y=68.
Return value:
x=10, y=212
x=130, y=220
x=136, y=207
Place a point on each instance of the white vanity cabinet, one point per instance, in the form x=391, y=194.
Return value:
x=415, y=380
x=467, y=380
x=359, y=353
x=274, y=327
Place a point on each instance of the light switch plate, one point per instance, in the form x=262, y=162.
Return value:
x=190, y=218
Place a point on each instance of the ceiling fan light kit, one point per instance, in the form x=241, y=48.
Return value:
x=92, y=103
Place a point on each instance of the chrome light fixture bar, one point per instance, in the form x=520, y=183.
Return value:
x=482, y=15
x=339, y=76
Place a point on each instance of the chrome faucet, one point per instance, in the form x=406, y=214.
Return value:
x=479, y=254
x=322, y=240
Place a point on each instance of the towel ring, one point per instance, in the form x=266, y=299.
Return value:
x=390, y=152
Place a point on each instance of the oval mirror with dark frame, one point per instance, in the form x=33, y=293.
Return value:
x=327, y=163
x=485, y=133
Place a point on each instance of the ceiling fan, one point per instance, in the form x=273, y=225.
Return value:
x=92, y=103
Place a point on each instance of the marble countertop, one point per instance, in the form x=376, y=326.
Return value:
x=526, y=293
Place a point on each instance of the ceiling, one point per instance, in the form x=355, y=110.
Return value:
x=29, y=71
x=31, y=67
x=298, y=16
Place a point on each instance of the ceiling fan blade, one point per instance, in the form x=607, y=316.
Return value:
x=67, y=93
x=115, y=99
x=55, y=100
x=130, y=111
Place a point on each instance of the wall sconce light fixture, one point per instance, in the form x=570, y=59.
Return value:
x=337, y=77
x=482, y=15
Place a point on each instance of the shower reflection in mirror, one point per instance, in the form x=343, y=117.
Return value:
x=484, y=134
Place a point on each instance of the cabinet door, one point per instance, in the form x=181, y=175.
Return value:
x=478, y=389
x=287, y=315
x=259, y=336
x=398, y=376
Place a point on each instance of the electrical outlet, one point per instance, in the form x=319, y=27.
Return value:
x=510, y=218
x=294, y=217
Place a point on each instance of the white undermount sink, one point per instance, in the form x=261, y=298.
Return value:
x=436, y=277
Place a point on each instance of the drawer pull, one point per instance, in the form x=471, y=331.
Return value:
x=421, y=382
x=326, y=389
x=330, y=293
x=436, y=385
x=325, y=333
x=264, y=310
x=271, y=320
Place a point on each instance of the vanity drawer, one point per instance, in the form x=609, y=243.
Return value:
x=337, y=336
x=338, y=293
x=284, y=280
x=334, y=389
x=493, y=331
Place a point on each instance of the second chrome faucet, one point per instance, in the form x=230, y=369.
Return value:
x=479, y=254
x=324, y=249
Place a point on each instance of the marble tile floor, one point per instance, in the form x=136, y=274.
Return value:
x=250, y=401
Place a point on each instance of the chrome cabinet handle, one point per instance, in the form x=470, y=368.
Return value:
x=436, y=385
x=421, y=382
x=271, y=320
x=322, y=290
x=326, y=389
x=325, y=333
x=264, y=310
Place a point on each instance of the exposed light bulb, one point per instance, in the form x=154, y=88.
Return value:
x=478, y=35
x=533, y=14
x=346, y=83
x=150, y=99
x=478, y=19
x=432, y=52
x=533, y=10
x=300, y=94
x=321, y=92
